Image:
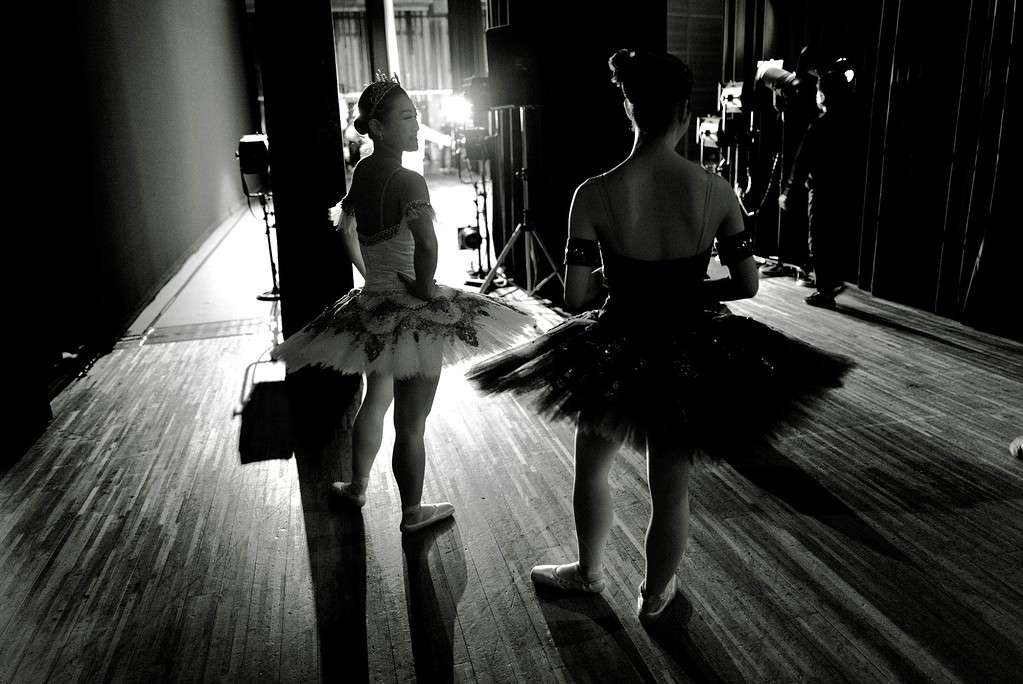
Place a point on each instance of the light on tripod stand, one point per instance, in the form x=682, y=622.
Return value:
x=254, y=164
x=772, y=74
x=526, y=230
x=730, y=97
x=785, y=86
x=474, y=142
x=469, y=238
x=475, y=236
x=707, y=130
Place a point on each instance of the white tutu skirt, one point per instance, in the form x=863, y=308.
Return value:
x=392, y=332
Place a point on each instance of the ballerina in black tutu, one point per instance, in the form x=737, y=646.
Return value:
x=401, y=327
x=662, y=365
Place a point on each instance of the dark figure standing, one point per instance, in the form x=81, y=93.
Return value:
x=662, y=365
x=823, y=165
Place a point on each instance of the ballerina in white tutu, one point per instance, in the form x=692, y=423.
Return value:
x=401, y=327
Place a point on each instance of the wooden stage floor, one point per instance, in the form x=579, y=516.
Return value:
x=160, y=530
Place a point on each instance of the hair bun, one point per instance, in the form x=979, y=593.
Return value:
x=623, y=66
x=657, y=86
x=361, y=125
x=636, y=72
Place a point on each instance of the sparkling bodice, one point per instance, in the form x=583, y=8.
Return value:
x=653, y=290
x=384, y=197
x=386, y=255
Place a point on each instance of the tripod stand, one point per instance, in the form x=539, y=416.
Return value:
x=479, y=187
x=254, y=164
x=264, y=201
x=525, y=228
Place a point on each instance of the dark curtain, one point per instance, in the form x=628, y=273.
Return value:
x=936, y=231
x=695, y=32
x=423, y=50
x=303, y=120
x=351, y=45
x=465, y=35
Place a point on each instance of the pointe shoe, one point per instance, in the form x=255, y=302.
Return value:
x=345, y=493
x=431, y=513
x=650, y=608
x=821, y=300
x=565, y=578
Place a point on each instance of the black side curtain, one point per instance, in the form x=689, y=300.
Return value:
x=936, y=230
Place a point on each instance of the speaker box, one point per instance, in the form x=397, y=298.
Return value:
x=514, y=59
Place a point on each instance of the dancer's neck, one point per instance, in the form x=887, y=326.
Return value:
x=647, y=145
x=386, y=152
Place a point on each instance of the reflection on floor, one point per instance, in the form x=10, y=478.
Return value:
x=172, y=523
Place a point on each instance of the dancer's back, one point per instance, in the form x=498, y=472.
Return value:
x=384, y=197
x=659, y=207
x=656, y=216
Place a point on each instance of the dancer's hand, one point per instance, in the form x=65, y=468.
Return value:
x=417, y=289
x=783, y=202
x=334, y=214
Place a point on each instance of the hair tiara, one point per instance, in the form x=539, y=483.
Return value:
x=378, y=90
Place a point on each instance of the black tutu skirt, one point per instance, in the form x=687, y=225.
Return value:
x=718, y=380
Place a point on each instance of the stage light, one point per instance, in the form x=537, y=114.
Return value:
x=772, y=74
x=474, y=143
x=469, y=238
x=457, y=111
x=253, y=156
x=730, y=97
x=707, y=128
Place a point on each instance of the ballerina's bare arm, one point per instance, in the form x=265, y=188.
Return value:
x=419, y=216
x=734, y=249
x=583, y=275
x=346, y=224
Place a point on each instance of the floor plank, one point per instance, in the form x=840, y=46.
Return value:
x=157, y=531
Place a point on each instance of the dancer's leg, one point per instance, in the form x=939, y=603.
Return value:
x=591, y=503
x=413, y=399
x=591, y=499
x=668, y=465
x=369, y=427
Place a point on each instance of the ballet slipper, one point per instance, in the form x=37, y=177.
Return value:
x=565, y=578
x=417, y=517
x=349, y=493
x=650, y=608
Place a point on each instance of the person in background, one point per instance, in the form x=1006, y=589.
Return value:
x=823, y=167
